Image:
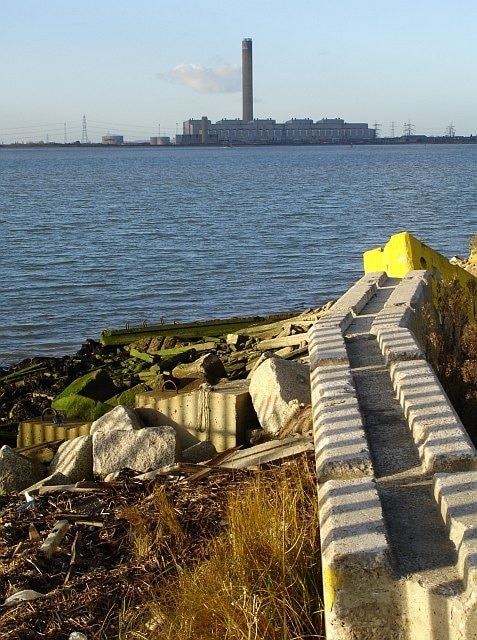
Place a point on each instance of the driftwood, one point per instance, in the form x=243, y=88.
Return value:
x=54, y=538
x=285, y=341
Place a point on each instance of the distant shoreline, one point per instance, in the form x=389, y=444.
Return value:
x=413, y=140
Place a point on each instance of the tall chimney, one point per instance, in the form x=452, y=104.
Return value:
x=247, y=85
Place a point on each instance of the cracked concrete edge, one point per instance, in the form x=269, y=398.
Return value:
x=394, y=317
x=413, y=290
x=439, y=434
x=341, y=319
x=398, y=343
x=455, y=496
x=358, y=296
x=326, y=345
x=358, y=585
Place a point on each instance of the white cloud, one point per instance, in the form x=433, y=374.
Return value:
x=224, y=78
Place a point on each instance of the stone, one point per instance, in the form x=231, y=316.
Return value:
x=80, y=407
x=17, y=472
x=279, y=388
x=121, y=417
x=96, y=385
x=200, y=452
x=140, y=450
x=74, y=459
x=209, y=367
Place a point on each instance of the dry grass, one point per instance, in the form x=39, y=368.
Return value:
x=260, y=580
x=452, y=348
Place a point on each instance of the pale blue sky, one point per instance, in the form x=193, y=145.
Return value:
x=130, y=66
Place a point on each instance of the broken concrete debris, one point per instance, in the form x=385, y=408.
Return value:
x=161, y=400
x=279, y=389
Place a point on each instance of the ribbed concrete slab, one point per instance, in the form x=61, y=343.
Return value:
x=357, y=575
x=390, y=567
x=395, y=316
x=456, y=496
x=341, y=447
x=326, y=346
x=439, y=434
x=341, y=319
x=398, y=343
x=356, y=298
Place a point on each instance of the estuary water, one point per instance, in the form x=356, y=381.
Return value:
x=94, y=238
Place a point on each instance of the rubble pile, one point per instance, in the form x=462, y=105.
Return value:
x=190, y=417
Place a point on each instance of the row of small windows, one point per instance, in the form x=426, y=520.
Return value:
x=274, y=134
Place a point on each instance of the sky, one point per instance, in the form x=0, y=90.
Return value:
x=141, y=67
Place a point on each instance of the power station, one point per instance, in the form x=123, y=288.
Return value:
x=248, y=130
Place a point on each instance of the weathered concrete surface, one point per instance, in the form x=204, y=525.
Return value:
x=121, y=417
x=74, y=459
x=140, y=450
x=390, y=567
x=220, y=413
x=359, y=589
x=278, y=389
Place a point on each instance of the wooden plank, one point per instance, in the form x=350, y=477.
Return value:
x=286, y=341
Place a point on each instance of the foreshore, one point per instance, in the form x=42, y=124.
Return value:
x=143, y=359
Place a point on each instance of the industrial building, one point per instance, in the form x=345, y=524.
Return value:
x=267, y=131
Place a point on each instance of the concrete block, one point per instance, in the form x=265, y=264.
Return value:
x=17, y=472
x=378, y=278
x=36, y=431
x=221, y=413
x=395, y=316
x=140, y=450
x=440, y=436
x=413, y=290
x=278, y=388
x=455, y=495
x=121, y=417
x=398, y=343
x=341, y=447
x=358, y=586
x=74, y=459
x=326, y=346
x=341, y=319
x=331, y=381
x=356, y=298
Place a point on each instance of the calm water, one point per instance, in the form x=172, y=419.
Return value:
x=97, y=238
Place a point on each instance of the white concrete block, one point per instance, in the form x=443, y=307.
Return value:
x=278, y=388
x=140, y=450
x=74, y=459
x=123, y=418
x=220, y=413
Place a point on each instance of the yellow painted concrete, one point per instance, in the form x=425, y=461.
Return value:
x=403, y=252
